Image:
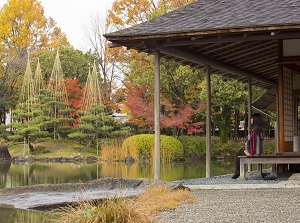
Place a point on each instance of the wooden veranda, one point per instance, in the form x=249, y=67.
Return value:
x=257, y=42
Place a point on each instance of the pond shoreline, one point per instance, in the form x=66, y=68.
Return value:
x=47, y=195
x=71, y=159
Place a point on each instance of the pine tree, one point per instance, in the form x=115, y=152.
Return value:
x=94, y=123
x=28, y=115
x=55, y=100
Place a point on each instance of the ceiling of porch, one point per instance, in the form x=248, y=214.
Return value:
x=239, y=59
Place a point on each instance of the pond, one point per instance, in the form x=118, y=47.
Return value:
x=22, y=174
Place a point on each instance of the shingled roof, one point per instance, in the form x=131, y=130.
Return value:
x=237, y=38
x=208, y=15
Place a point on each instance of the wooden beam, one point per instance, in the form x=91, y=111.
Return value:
x=253, y=63
x=200, y=59
x=241, y=37
x=249, y=51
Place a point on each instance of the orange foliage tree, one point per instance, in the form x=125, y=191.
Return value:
x=75, y=92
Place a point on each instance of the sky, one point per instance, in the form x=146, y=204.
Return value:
x=73, y=15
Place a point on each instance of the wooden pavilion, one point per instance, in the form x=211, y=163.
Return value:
x=257, y=42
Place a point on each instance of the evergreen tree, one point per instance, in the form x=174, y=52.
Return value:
x=55, y=103
x=94, y=123
x=28, y=115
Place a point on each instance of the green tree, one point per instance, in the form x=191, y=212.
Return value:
x=28, y=115
x=228, y=98
x=75, y=64
x=56, y=105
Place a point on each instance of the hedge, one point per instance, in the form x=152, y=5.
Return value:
x=142, y=146
x=197, y=145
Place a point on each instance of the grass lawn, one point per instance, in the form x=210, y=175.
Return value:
x=54, y=148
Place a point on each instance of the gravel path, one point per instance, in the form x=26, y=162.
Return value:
x=256, y=205
x=280, y=205
x=252, y=178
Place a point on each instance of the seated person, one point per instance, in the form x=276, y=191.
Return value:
x=254, y=143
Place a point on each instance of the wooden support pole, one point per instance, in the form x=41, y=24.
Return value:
x=157, y=116
x=208, y=122
x=280, y=93
x=249, y=104
x=276, y=127
x=295, y=116
x=281, y=108
x=249, y=112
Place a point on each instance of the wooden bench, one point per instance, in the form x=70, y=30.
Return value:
x=282, y=158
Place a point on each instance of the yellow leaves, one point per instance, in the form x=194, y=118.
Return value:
x=24, y=26
x=125, y=13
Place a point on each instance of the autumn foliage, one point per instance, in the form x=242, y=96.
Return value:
x=75, y=93
x=141, y=106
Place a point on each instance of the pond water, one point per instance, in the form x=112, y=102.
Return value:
x=22, y=174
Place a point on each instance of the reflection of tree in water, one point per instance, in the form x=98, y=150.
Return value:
x=4, y=168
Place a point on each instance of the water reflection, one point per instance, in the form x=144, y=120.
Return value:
x=14, y=216
x=21, y=174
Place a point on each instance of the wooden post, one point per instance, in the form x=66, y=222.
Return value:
x=249, y=112
x=280, y=98
x=249, y=104
x=157, y=116
x=208, y=122
x=277, y=126
x=295, y=115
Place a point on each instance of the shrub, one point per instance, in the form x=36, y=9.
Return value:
x=269, y=146
x=39, y=149
x=143, y=145
x=193, y=145
x=197, y=145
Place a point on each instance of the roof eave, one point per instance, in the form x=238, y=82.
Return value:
x=119, y=37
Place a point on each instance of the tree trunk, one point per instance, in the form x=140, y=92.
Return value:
x=236, y=124
x=4, y=153
x=224, y=124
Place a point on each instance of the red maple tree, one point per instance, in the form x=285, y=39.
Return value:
x=141, y=106
x=75, y=93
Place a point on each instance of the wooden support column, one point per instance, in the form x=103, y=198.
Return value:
x=281, y=108
x=280, y=93
x=249, y=104
x=276, y=127
x=249, y=112
x=208, y=122
x=157, y=116
x=295, y=115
